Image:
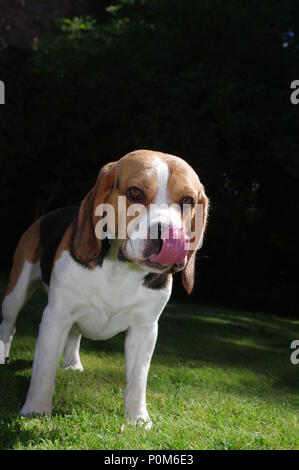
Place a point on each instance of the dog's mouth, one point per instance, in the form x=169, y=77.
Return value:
x=160, y=255
x=165, y=253
x=145, y=262
x=170, y=248
x=173, y=268
x=155, y=265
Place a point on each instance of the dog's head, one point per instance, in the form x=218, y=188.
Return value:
x=156, y=206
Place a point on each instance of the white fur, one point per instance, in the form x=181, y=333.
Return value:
x=98, y=304
x=162, y=180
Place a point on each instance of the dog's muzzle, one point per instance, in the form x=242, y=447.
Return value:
x=163, y=251
x=173, y=245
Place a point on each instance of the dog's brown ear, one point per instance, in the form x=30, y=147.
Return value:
x=86, y=247
x=189, y=271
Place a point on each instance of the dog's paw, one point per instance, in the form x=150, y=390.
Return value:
x=140, y=421
x=5, y=344
x=30, y=410
x=143, y=423
x=76, y=366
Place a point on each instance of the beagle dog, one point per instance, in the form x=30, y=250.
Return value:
x=98, y=285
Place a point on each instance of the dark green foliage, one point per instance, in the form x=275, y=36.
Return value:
x=208, y=80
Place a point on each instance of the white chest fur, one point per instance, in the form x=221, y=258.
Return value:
x=106, y=300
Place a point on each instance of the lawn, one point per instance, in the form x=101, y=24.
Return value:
x=219, y=379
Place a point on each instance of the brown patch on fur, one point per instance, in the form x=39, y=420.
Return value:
x=137, y=169
x=86, y=247
x=189, y=271
x=28, y=249
x=134, y=169
x=183, y=181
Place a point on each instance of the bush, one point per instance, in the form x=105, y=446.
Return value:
x=207, y=80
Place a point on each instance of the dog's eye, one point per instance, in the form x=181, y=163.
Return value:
x=187, y=200
x=135, y=194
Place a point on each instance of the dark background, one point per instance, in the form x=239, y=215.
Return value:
x=208, y=80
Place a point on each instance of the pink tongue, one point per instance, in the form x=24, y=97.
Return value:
x=174, y=247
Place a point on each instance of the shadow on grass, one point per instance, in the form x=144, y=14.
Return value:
x=194, y=337
x=232, y=340
x=13, y=389
x=12, y=432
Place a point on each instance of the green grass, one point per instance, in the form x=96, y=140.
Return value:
x=219, y=379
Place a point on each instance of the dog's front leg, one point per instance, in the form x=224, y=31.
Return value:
x=51, y=340
x=139, y=348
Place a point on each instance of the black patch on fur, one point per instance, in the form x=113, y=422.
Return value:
x=104, y=250
x=52, y=229
x=156, y=281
